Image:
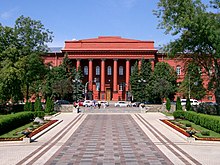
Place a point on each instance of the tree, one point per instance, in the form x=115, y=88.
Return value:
x=49, y=106
x=178, y=104
x=192, y=85
x=32, y=38
x=135, y=85
x=197, y=28
x=163, y=82
x=140, y=81
x=188, y=104
x=168, y=104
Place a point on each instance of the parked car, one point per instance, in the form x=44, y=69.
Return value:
x=135, y=104
x=102, y=102
x=61, y=102
x=121, y=104
x=88, y=103
x=192, y=102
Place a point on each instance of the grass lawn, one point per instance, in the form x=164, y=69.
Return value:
x=16, y=133
x=199, y=129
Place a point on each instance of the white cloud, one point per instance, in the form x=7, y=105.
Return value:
x=8, y=14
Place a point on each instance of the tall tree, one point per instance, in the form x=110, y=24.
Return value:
x=32, y=38
x=135, y=85
x=197, y=27
x=192, y=85
x=163, y=84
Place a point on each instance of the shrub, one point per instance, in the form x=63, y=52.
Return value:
x=38, y=105
x=39, y=114
x=188, y=105
x=10, y=122
x=178, y=114
x=28, y=106
x=188, y=125
x=168, y=104
x=178, y=104
x=49, y=106
x=205, y=133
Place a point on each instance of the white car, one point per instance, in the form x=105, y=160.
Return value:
x=192, y=102
x=88, y=103
x=121, y=104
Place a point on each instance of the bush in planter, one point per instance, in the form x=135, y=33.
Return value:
x=28, y=106
x=38, y=108
x=168, y=104
x=188, y=104
x=49, y=106
x=179, y=114
x=178, y=104
x=205, y=133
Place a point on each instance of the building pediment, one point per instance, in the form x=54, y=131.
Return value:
x=108, y=43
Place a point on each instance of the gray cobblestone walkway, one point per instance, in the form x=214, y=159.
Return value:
x=109, y=139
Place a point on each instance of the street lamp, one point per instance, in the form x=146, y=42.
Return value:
x=76, y=81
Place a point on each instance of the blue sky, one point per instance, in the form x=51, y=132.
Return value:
x=82, y=19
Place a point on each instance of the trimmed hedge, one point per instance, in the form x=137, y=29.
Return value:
x=10, y=122
x=207, y=121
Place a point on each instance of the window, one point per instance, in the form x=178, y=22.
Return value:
x=120, y=70
x=97, y=69
x=86, y=71
x=178, y=70
x=109, y=70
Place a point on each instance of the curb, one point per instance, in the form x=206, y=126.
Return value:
x=33, y=138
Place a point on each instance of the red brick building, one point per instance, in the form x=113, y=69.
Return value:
x=107, y=61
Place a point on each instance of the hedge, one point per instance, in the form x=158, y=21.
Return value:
x=207, y=121
x=12, y=121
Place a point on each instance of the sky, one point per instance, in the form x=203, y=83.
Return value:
x=83, y=19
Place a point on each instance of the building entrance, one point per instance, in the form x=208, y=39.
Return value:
x=108, y=94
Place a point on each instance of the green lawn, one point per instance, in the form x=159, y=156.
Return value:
x=198, y=129
x=16, y=133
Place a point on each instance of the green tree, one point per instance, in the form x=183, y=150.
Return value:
x=168, y=104
x=28, y=106
x=178, y=104
x=135, y=85
x=140, y=81
x=32, y=37
x=49, y=106
x=192, y=85
x=38, y=105
x=188, y=104
x=197, y=28
x=163, y=82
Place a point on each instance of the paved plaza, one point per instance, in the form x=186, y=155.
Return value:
x=113, y=139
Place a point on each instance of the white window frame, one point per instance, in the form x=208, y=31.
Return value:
x=178, y=70
x=97, y=70
x=109, y=70
x=86, y=70
x=121, y=71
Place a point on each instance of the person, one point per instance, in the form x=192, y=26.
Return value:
x=104, y=105
x=99, y=104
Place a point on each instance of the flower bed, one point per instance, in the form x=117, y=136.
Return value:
x=34, y=132
x=187, y=133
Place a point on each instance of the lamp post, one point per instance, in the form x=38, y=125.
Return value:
x=76, y=81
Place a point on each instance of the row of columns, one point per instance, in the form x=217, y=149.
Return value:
x=115, y=74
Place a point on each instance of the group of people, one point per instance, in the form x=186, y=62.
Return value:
x=99, y=104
